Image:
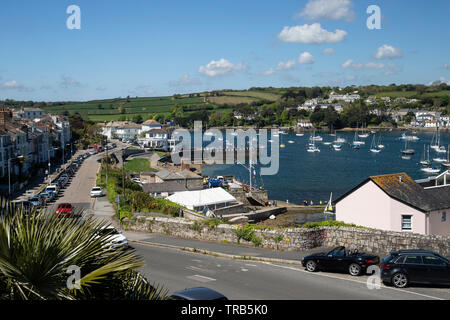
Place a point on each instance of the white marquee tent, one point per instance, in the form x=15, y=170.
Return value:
x=197, y=200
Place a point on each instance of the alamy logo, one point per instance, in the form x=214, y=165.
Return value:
x=374, y=21
x=73, y=281
x=74, y=20
x=374, y=281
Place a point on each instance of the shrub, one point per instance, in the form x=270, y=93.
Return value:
x=196, y=227
x=212, y=223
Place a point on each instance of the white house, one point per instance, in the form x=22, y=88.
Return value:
x=156, y=138
x=395, y=202
x=304, y=123
x=29, y=113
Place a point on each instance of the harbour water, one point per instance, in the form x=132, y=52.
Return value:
x=310, y=176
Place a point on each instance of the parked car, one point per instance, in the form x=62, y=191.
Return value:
x=49, y=195
x=96, y=192
x=340, y=259
x=53, y=188
x=64, y=210
x=199, y=293
x=37, y=201
x=404, y=267
x=137, y=180
x=115, y=238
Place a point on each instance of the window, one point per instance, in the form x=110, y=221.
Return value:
x=444, y=216
x=435, y=261
x=413, y=260
x=400, y=260
x=406, y=222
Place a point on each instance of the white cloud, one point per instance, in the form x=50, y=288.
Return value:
x=14, y=85
x=221, y=67
x=280, y=67
x=329, y=51
x=328, y=9
x=306, y=58
x=446, y=67
x=350, y=64
x=387, y=52
x=313, y=33
x=184, y=81
x=442, y=80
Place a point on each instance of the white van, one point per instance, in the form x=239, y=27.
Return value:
x=53, y=188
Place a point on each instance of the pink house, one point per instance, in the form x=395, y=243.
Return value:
x=395, y=202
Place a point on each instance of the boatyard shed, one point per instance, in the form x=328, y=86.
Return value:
x=395, y=202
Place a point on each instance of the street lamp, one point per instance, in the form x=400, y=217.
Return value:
x=9, y=173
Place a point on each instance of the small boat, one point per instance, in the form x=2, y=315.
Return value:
x=406, y=157
x=313, y=149
x=373, y=147
x=446, y=164
x=299, y=134
x=317, y=138
x=424, y=161
x=363, y=134
x=430, y=170
x=340, y=140
x=407, y=151
x=441, y=150
x=440, y=160
x=380, y=145
x=327, y=143
x=337, y=147
x=282, y=146
x=409, y=138
x=290, y=141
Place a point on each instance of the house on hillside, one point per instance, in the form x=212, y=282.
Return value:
x=395, y=202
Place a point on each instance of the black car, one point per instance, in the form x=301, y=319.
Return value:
x=200, y=293
x=401, y=268
x=340, y=259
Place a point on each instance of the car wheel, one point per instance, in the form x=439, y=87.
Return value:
x=400, y=280
x=311, y=266
x=354, y=269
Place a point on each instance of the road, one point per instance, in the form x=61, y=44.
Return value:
x=250, y=280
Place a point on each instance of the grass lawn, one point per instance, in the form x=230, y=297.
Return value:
x=138, y=165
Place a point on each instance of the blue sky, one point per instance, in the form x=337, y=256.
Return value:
x=156, y=48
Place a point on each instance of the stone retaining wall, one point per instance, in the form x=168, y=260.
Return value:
x=298, y=239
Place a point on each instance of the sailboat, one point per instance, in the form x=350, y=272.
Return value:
x=357, y=143
x=380, y=146
x=426, y=161
x=312, y=146
x=407, y=151
x=374, y=148
x=446, y=165
x=430, y=170
x=329, y=207
x=363, y=134
x=437, y=141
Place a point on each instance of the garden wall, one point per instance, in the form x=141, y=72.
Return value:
x=298, y=239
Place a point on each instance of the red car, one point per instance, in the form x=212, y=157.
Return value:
x=64, y=210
